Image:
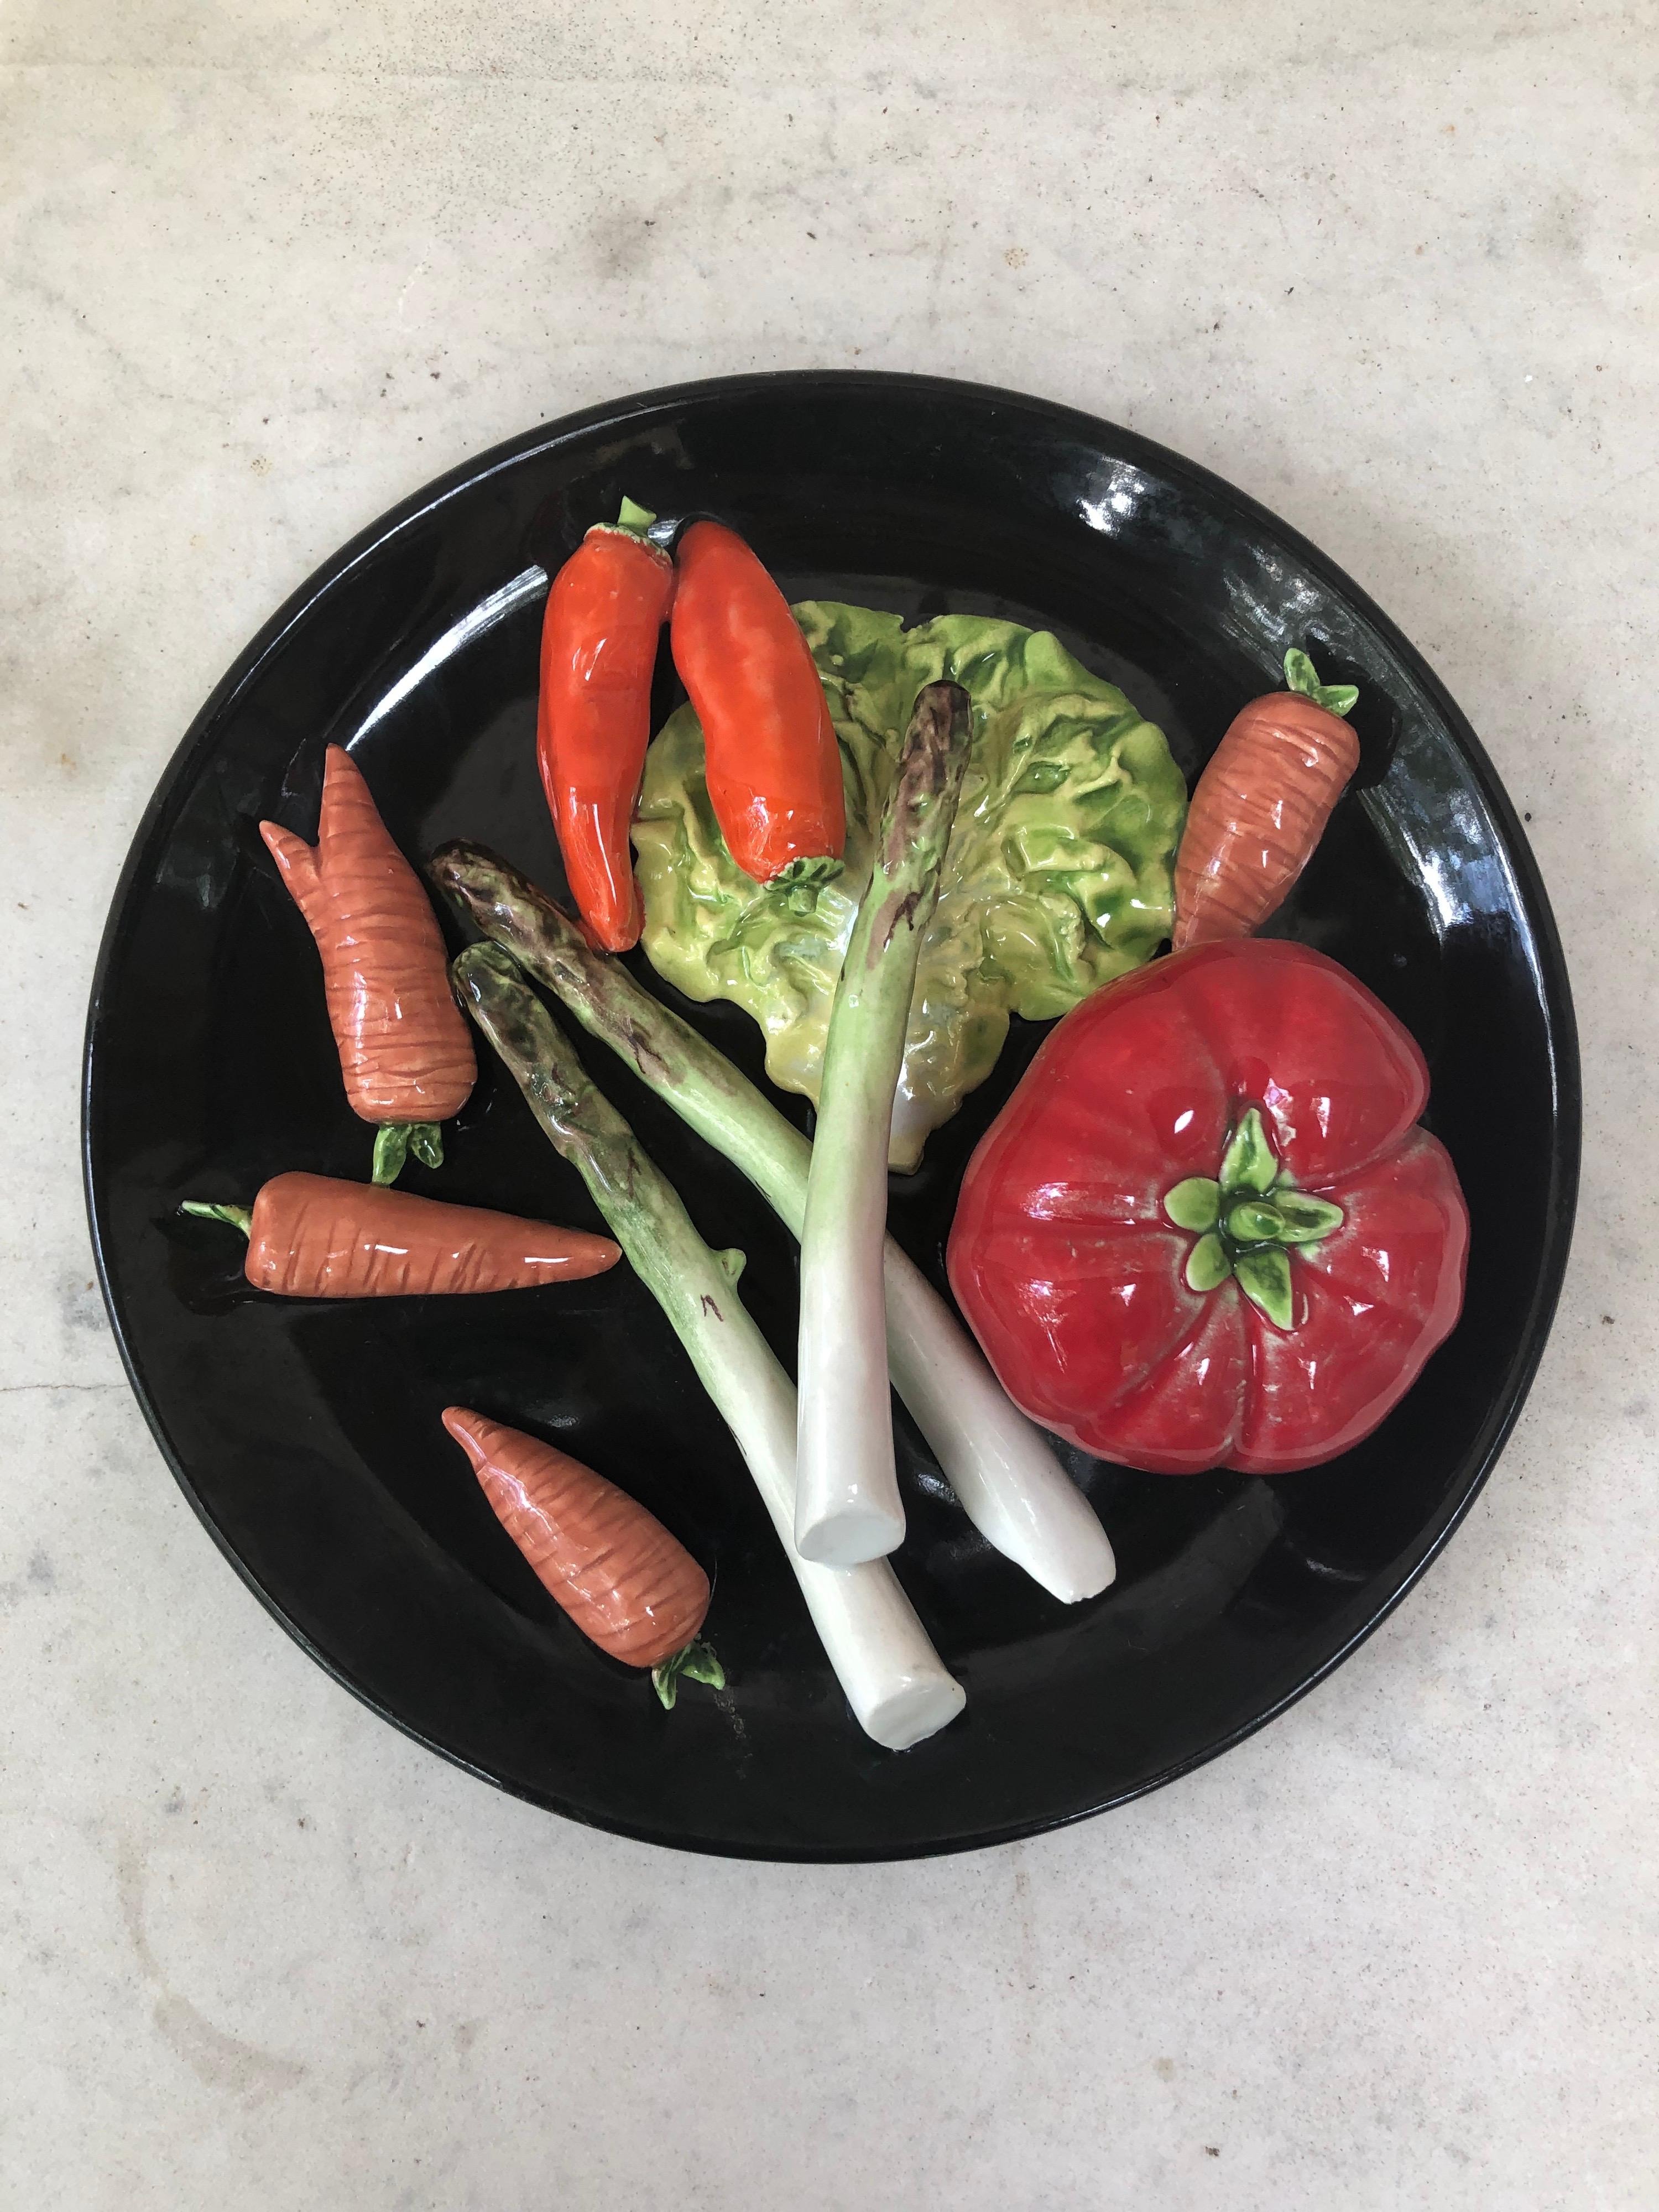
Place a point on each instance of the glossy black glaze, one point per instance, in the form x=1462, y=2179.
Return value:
x=306, y=1436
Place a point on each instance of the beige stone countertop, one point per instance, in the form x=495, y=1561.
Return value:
x=269, y=264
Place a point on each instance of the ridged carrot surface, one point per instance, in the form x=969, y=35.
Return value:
x=629, y=1585
x=312, y=1237
x=406, y=1049
x=1260, y=809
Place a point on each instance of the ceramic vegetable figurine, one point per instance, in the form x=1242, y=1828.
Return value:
x=895, y=1682
x=1205, y=1231
x=774, y=771
x=846, y=1497
x=311, y=1236
x=1262, y=805
x=629, y=1586
x=1057, y=878
x=1006, y=1478
x=406, y=1050
x=605, y=611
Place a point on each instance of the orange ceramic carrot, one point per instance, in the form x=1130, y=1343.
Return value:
x=406, y=1049
x=1262, y=805
x=629, y=1586
x=311, y=1236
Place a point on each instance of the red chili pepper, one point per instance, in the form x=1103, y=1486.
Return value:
x=774, y=766
x=1205, y=1231
x=605, y=611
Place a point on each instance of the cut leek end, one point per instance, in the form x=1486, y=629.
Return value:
x=846, y=1535
x=1078, y=1578
x=1057, y=1536
x=913, y=1712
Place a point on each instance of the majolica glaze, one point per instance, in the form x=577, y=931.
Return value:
x=309, y=1436
x=1207, y=1230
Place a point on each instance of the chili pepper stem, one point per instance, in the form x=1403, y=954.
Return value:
x=894, y=1680
x=804, y=876
x=1004, y=1474
x=847, y=1499
x=633, y=518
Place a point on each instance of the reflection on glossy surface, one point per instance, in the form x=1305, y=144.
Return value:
x=314, y=1236
x=529, y=587
x=1268, y=1337
x=310, y=1434
x=1110, y=503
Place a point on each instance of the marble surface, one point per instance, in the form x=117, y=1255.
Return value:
x=267, y=265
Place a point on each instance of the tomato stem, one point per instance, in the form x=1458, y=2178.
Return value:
x=1245, y=1219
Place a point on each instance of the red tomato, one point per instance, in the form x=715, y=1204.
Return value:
x=1333, y=1245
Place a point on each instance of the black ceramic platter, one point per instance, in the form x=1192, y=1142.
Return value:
x=306, y=1435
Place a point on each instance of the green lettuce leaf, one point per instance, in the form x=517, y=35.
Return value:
x=1058, y=877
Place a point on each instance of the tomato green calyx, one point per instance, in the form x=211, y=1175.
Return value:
x=1246, y=1218
x=1250, y=1161
x=1255, y=1222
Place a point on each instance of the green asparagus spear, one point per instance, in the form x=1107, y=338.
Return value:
x=847, y=1499
x=894, y=1679
x=1002, y=1471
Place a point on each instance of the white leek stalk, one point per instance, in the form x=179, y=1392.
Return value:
x=847, y=1499
x=896, y=1684
x=997, y=1462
